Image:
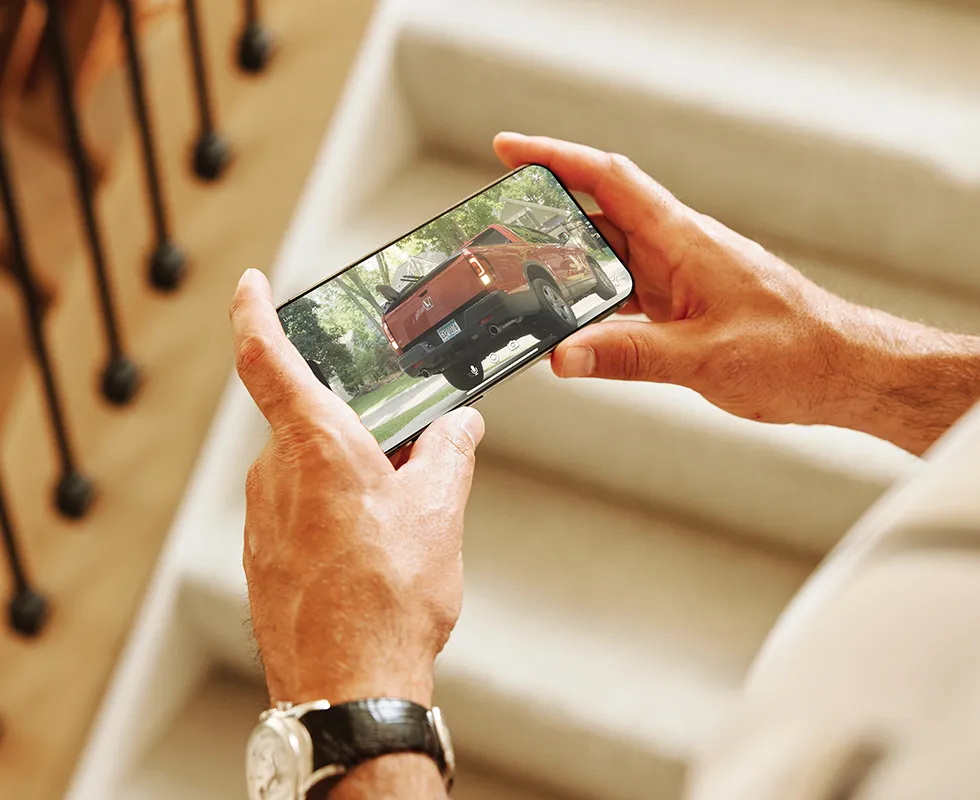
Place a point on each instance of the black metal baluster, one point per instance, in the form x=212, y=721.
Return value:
x=121, y=376
x=211, y=153
x=74, y=492
x=167, y=262
x=28, y=609
x=255, y=44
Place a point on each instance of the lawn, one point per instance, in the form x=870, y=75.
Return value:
x=367, y=401
x=384, y=432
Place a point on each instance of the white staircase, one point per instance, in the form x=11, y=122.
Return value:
x=628, y=547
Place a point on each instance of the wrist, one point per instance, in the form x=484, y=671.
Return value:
x=342, y=677
x=899, y=380
x=402, y=685
x=395, y=776
x=353, y=653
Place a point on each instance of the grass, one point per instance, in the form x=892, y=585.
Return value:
x=366, y=401
x=384, y=432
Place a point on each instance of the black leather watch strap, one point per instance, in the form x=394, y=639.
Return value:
x=352, y=733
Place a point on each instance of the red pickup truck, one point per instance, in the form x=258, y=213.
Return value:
x=506, y=282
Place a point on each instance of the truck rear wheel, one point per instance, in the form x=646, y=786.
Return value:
x=464, y=376
x=604, y=287
x=556, y=317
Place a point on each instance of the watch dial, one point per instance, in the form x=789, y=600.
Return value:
x=271, y=766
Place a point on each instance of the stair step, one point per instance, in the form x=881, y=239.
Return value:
x=563, y=593
x=844, y=125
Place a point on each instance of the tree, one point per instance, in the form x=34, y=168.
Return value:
x=450, y=231
x=537, y=185
x=373, y=314
x=319, y=342
x=352, y=278
x=340, y=308
x=383, y=268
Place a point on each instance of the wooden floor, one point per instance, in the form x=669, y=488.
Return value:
x=95, y=571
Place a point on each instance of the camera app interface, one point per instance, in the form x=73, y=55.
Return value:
x=433, y=319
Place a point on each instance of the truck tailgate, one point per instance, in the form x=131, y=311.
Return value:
x=433, y=300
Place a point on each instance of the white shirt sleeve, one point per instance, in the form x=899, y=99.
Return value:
x=868, y=688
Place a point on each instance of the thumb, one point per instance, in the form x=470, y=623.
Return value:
x=628, y=350
x=445, y=453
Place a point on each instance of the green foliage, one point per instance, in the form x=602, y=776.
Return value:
x=537, y=185
x=376, y=363
x=449, y=232
x=372, y=360
x=317, y=341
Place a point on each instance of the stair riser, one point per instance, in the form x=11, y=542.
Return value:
x=662, y=455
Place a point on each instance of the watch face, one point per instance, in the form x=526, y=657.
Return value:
x=272, y=762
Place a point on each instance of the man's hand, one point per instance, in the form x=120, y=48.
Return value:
x=354, y=568
x=743, y=328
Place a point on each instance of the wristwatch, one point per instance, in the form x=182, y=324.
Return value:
x=301, y=752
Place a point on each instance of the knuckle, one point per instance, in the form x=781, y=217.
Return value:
x=634, y=357
x=252, y=351
x=620, y=164
x=309, y=445
x=459, y=443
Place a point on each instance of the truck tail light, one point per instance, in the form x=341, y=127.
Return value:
x=391, y=339
x=483, y=272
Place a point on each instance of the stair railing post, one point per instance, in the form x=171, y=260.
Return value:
x=211, y=152
x=27, y=610
x=121, y=377
x=167, y=263
x=74, y=492
x=255, y=43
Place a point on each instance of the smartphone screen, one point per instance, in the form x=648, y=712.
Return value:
x=436, y=318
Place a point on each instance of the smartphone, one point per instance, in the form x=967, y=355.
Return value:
x=435, y=319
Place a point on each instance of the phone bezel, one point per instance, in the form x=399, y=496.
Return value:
x=495, y=380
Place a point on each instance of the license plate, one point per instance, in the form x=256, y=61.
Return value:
x=449, y=330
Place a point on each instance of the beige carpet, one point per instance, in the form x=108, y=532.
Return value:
x=95, y=571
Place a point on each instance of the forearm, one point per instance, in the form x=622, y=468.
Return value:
x=397, y=777
x=904, y=382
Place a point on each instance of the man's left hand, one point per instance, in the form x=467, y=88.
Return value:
x=354, y=567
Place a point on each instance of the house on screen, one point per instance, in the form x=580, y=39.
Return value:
x=552, y=221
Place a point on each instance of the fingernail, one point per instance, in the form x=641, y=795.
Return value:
x=246, y=276
x=579, y=362
x=472, y=425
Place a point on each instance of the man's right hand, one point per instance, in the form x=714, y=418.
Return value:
x=743, y=328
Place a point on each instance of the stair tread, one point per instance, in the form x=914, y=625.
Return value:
x=843, y=67
x=848, y=126
x=656, y=621
x=583, y=621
